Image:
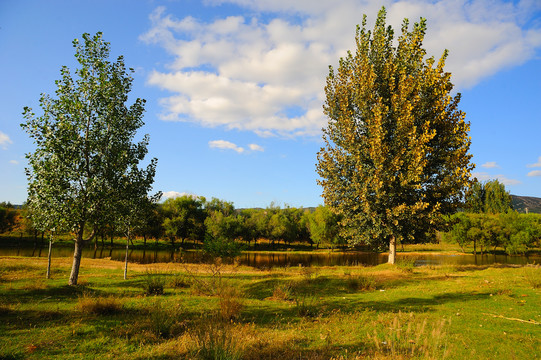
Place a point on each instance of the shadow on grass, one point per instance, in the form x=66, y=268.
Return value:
x=313, y=305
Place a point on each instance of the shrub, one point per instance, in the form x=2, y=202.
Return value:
x=217, y=247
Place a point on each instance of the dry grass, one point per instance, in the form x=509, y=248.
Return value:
x=411, y=336
x=99, y=305
x=230, y=303
x=532, y=275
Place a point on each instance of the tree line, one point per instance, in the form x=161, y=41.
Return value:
x=196, y=220
x=489, y=221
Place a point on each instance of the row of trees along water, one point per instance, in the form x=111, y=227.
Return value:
x=488, y=222
x=194, y=221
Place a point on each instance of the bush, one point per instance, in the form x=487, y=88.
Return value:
x=216, y=247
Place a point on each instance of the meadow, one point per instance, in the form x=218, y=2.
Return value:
x=218, y=311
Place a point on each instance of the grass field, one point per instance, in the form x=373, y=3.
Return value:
x=178, y=311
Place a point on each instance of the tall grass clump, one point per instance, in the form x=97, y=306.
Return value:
x=407, y=336
x=360, y=282
x=153, y=283
x=230, y=303
x=283, y=291
x=166, y=322
x=179, y=281
x=99, y=305
x=406, y=264
x=532, y=275
x=213, y=340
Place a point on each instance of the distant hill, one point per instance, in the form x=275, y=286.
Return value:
x=521, y=203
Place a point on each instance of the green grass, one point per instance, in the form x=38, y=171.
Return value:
x=228, y=312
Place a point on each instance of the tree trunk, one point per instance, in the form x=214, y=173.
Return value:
x=77, y=254
x=49, y=259
x=392, y=250
x=126, y=258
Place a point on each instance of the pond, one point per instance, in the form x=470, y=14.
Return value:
x=282, y=259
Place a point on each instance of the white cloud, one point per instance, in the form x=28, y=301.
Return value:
x=255, y=147
x=537, y=164
x=175, y=194
x=490, y=165
x=535, y=173
x=4, y=140
x=267, y=76
x=483, y=176
x=14, y=162
x=226, y=145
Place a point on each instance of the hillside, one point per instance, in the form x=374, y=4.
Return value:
x=521, y=203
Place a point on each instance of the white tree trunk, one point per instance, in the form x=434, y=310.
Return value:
x=392, y=250
x=77, y=254
x=126, y=258
x=49, y=259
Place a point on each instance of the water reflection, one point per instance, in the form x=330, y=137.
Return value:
x=267, y=260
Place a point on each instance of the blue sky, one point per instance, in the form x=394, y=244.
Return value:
x=234, y=88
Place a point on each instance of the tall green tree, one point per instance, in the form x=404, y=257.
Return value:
x=84, y=172
x=323, y=226
x=184, y=218
x=488, y=197
x=396, y=145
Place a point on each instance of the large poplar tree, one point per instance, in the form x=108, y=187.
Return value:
x=396, y=145
x=84, y=172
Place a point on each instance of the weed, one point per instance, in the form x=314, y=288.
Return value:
x=361, y=282
x=153, y=283
x=166, y=322
x=179, y=281
x=409, y=336
x=406, y=264
x=283, y=291
x=308, y=273
x=304, y=307
x=214, y=341
x=230, y=304
x=99, y=305
x=532, y=275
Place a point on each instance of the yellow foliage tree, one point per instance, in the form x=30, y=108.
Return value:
x=396, y=145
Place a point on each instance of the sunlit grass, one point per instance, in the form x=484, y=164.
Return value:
x=356, y=312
